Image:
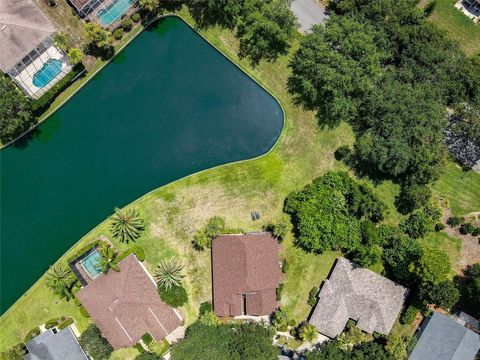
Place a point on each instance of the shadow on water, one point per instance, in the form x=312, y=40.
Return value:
x=23, y=142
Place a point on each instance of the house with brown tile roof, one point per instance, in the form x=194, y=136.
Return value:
x=246, y=273
x=125, y=305
x=353, y=292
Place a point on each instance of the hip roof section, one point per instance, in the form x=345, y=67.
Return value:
x=245, y=268
x=22, y=28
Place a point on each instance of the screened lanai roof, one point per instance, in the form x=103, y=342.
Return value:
x=22, y=27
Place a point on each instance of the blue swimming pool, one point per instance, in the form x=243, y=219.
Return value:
x=93, y=264
x=113, y=11
x=47, y=73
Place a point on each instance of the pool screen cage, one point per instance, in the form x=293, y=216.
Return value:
x=24, y=72
x=109, y=8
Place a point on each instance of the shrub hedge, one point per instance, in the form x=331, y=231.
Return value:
x=147, y=338
x=84, y=311
x=279, y=290
x=136, y=17
x=65, y=323
x=135, y=249
x=139, y=348
x=51, y=323
x=409, y=315
x=117, y=34
x=83, y=250
x=175, y=296
x=205, y=307
x=41, y=104
x=127, y=24
x=31, y=334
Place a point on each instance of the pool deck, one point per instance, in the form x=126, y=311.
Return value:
x=78, y=269
x=25, y=77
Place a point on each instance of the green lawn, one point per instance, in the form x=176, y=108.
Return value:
x=457, y=26
x=460, y=189
x=451, y=245
x=173, y=213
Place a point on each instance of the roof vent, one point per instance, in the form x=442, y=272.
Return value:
x=4, y=27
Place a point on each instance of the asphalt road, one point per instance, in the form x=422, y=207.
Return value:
x=308, y=13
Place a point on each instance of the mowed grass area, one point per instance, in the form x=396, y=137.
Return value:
x=173, y=213
x=457, y=26
x=461, y=189
x=441, y=240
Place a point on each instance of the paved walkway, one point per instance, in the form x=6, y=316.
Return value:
x=308, y=13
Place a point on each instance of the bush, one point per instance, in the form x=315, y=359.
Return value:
x=16, y=352
x=83, y=250
x=312, y=296
x=342, y=152
x=139, y=348
x=412, y=197
x=203, y=237
x=51, y=323
x=175, y=296
x=476, y=232
x=147, y=338
x=84, y=312
x=135, y=249
x=439, y=227
x=118, y=33
x=31, y=334
x=283, y=328
x=65, y=324
x=292, y=322
x=94, y=344
x=127, y=24
x=466, y=229
x=279, y=291
x=205, y=307
x=280, y=319
x=41, y=104
x=409, y=315
x=136, y=17
x=417, y=225
x=454, y=221
x=284, y=266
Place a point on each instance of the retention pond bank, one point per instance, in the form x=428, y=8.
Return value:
x=169, y=105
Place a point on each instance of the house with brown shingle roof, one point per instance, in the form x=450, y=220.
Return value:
x=246, y=272
x=353, y=292
x=125, y=305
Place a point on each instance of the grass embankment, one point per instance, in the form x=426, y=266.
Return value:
x=173, y=212
x=458, y=26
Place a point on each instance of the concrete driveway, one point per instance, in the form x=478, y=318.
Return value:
x=308, y=13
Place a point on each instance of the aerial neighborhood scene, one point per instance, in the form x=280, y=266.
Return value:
x=240, y=179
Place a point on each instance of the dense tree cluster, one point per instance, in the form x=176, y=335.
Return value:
x=333, y=350
x=15, y=111
x=387, y=71
x=265, y=28
x=94, y=344
x=246, y=341
x=470, y=294
x=327, y=214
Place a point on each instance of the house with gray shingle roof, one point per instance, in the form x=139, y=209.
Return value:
x=55, y=345
x=353, y=292
x=441, y=338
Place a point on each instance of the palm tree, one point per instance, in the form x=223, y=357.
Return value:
x=169, y=273
x=60, y=280
x=308, y=332
x=126, y=225
x=108, y=259
x=60, y=40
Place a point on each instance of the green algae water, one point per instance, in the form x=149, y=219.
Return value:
x=168, y=106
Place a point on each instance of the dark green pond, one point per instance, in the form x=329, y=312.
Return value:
x=168, y=106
